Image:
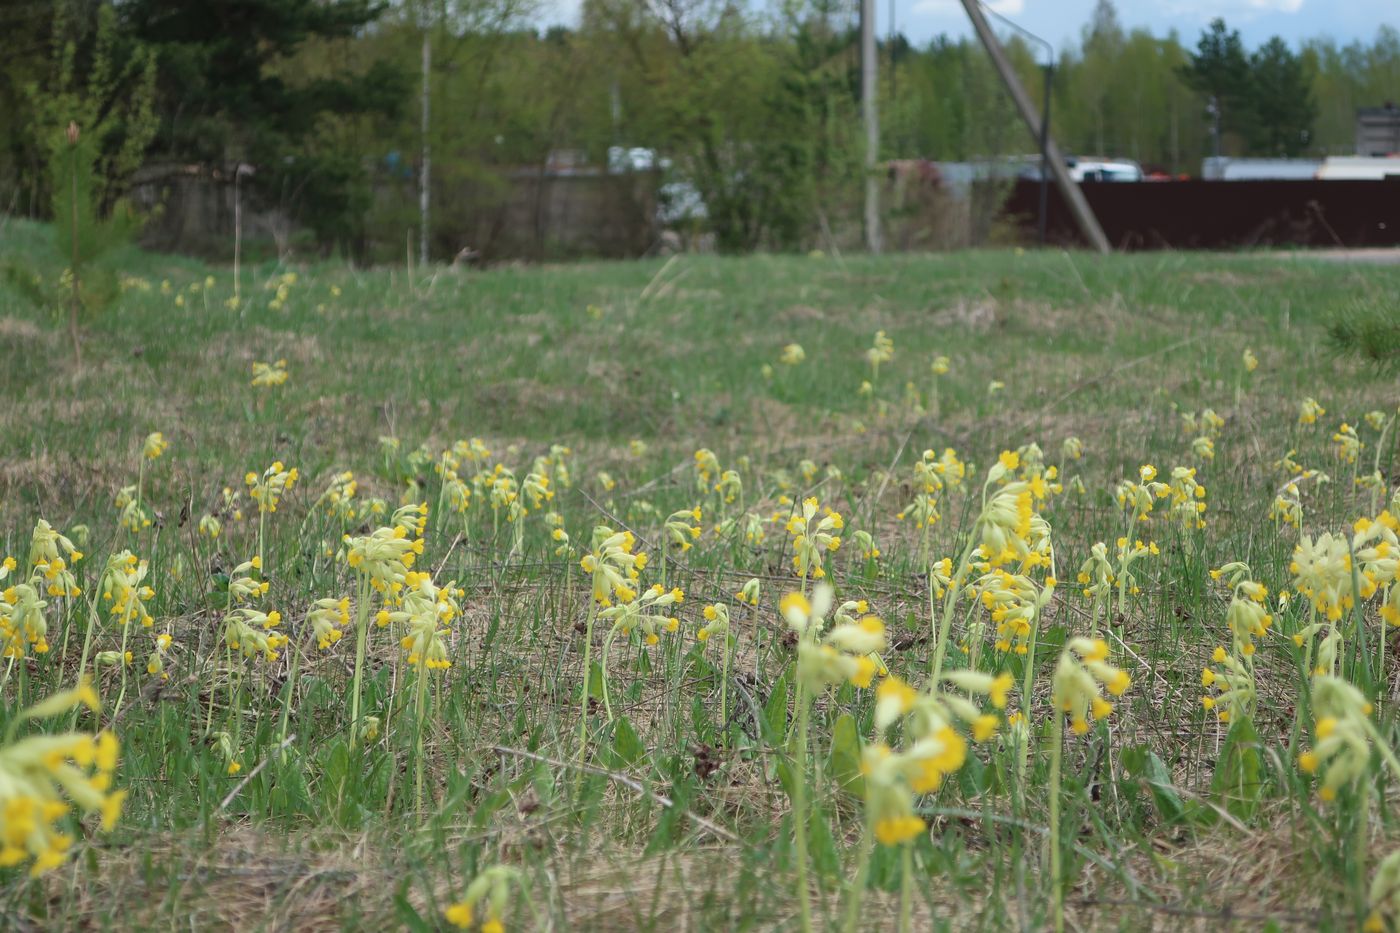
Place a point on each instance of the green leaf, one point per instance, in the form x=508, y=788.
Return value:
x=408, y=915
x=1142, y=764
x=775, y=712
x=1238, y=773
x=845, y=755
x=821, y=845
x=595, y=681
x=627, y=745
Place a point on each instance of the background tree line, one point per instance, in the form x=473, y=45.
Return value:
x=757, y=109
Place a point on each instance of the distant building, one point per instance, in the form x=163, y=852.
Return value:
x=1378, y=130
x=1227, y=168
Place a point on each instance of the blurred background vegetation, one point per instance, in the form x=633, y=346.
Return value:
x=753, y=112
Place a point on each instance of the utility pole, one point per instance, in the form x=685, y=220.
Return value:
x=1079, y=207
x=869, y=76
x=425, y=173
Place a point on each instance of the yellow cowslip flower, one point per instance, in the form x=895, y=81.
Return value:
x=267, y=490
x=1322, y=569
x=338, y=498
x=535, y=488
x=1309, y=411
x=241, y=584
x=865, y=545
x=933, y=748
x=637, y=448
x=813, y=535
x=1072, y=448
x=1004, y=527
x=327, y=618
x=266, y=375
x=1346, y=445
x=1342, y=733
x=792, y=355
x=843, y=655
x=707, y=469
x=643, y=612
x=1247, y=617
x=1137, y=498
x=1383, y=899
x=882, y=351
x=155, y=446
x=888, y=797
x=123, y=585
x=940, y=365
x=749, y=592
x=155, y=664
x=730, y=487
x=681, y=529
x=1203, y=448
x=1375, y=419
x=1014, y=601
x=47, y=545
x=613, y=567
x=43, y=777
x=54, y=575
x=23, y=627
x=133, y=515
x=716, y=621
x=1075, y=689
x=491, y=886
x=224, y=743
x=210, y=526
x=1251, y=362
x=995, y=386
x=250, y=631
x=384, y=556
x=1187, y=497
x=1233, y=683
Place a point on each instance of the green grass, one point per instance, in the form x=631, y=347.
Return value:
x=592, y=356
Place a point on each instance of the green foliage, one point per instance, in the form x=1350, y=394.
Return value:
x=1368, y=330
x=1281, y=101
x=267, y=83
x=1238, y=782
x=1219, y=70
x=95, y=122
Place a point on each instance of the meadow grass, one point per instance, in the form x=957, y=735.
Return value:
x=673, y=815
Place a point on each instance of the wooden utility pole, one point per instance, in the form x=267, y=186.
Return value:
x=869, y=77
x=1078, y=206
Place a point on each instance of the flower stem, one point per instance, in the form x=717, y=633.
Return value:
x=361, y=633
x=862, y=878
x=587, y=673
x=799, y=810
x=419, y=710
x=1056, y=887
x=906, y=887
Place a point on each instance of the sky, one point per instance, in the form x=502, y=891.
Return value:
x=1060, y=21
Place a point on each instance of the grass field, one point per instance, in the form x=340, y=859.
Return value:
x=261, y=797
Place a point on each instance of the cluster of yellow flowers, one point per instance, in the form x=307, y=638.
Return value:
x=813, y=534
x=267, y=490
x=267, y=375
x=932, y=747
x=1082, y=668
x=1323, y=568
x=42, y=777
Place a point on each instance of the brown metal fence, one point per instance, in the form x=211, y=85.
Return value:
x=1222, y=214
